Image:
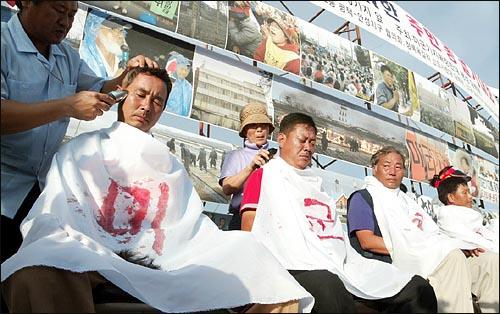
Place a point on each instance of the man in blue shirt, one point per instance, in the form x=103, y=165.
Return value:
x=387, y=96
x=44, y=84
x=386, y=224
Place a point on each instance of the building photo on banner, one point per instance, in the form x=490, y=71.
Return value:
x=344, y=132
x=223, y=86
x=363, y=94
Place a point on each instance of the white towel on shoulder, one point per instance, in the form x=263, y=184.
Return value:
x=299, y=223
x=410, y=234
x=119, y=188
x=467, y=224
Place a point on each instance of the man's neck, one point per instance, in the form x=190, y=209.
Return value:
x=42, y=46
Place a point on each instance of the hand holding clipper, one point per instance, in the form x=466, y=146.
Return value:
x=118, y=95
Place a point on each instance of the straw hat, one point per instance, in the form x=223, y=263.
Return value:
x=254, y=113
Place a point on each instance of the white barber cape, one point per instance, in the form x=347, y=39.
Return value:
x=119, y=188
x=467, y=224
x=411, y=236
x=299, y=224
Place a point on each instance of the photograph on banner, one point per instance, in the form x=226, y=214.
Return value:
x=335, y=62
x=435, y=104
x=75, y=34
x=104, y=46
x=158, y=13
x=339, y=187
x=244, y=27
x=222, y=86
x=344, y=133
x=427, y=156
x=280, y=46
x=488, y=180
x=467, y=163
x=205, y=21
x=110, y=42
x=485, y=134
x=394, y=87
x=462, y=121
x=201, y=156
x=179, y=69
x=221, y=220
x=387, y=20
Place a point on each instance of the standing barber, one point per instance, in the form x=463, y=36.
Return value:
x=44, y=84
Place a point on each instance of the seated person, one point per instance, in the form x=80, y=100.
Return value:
x=457, y=218
x=284, y=207
x=119, y=190
x=455, y=269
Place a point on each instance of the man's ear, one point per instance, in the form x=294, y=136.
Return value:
x=451, y=198
x=281, y=139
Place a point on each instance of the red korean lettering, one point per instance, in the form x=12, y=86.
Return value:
x=432, y=39
x=450, y=54
x=465, y=68
x=323, y=226
x=415, y=25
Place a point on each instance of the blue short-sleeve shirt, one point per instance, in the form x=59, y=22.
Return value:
x=28, y=77
x=359, y=214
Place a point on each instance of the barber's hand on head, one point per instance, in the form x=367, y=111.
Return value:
x=473, y=252
x=260, y=159
x=141, y=61
x=88, y=105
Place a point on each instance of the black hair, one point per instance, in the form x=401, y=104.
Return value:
x=447, y=186
x=385, y=68
x=19, y=3
x=289, y=122
x=159, y=73
x=145, y=261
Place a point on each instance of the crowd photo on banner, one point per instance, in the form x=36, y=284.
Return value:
x=188, y=124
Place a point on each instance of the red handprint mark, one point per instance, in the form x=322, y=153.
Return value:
x=133, y=204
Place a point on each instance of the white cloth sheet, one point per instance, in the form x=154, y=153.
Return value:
x=298, y=222
x=411, y=236
x=119, y=188
x=467, y=224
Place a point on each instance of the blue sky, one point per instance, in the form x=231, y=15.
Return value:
x=469, y=28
